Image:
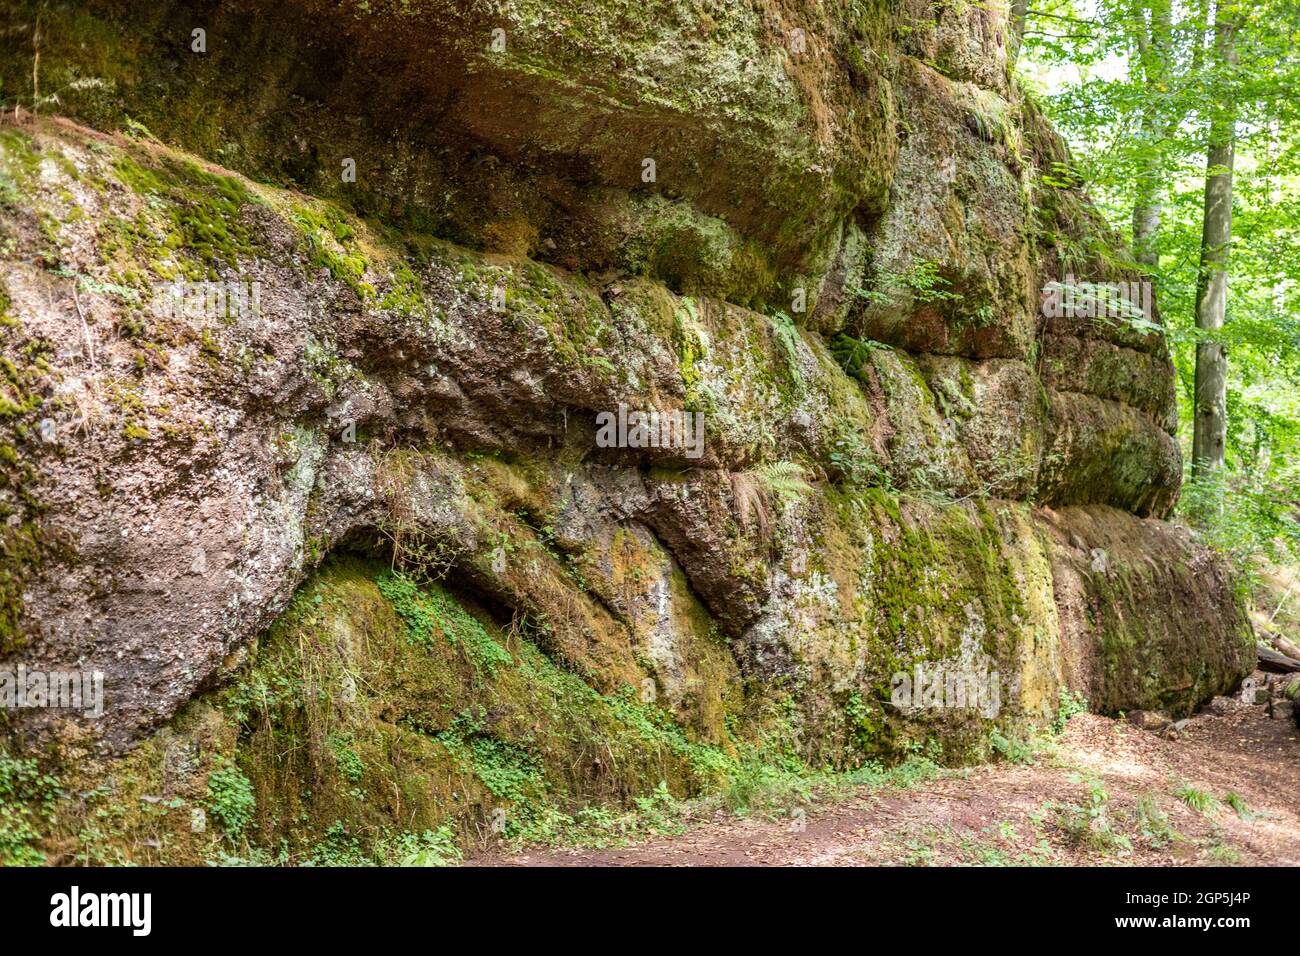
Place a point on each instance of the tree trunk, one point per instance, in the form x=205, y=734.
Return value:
x=1019, y=13
x=1151, y=27
x=1209, y=435
x=1147, y=208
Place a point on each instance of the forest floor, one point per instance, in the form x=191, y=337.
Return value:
x=1104, y=792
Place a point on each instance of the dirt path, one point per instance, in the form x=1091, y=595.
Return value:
x=1008, y=814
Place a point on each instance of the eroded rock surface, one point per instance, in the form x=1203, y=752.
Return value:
x=917, y=468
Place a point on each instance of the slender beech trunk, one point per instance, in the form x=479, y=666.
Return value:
x=1151, y=26
x=1019, y=14
x=1147, y=207
x=1209, y=434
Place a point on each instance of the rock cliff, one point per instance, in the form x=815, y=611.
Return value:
x=309, y=319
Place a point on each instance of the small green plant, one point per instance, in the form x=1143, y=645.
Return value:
x=918, y=854
x=26, y=802
x=852, y=462
x=923, y=282
x=404, y=594
x=1011, y=749
x=862, y=722
x=1153, y=823
x=350, y=763
x=430, y=848
x=250, y=856
x=424, y=609
x=1062, y=176
x=230, y=798
x=1199, y=800
x=137, y=130
x=1219, y=850
x=1222, y=853
x=787, y=336
x=512, y=773
x=337, y=847
x=659, y=812
x=915, y=770
x=1068, y=704
x=1238, y=804
x=1089, y=826
x=785, y=480
x=853, y=354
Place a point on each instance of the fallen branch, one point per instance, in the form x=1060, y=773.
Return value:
x=1271, y=660
x=1286, y=646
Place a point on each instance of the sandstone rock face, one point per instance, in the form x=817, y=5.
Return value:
x=838, y=263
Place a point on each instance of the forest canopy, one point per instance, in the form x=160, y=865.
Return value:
x=1169, y=107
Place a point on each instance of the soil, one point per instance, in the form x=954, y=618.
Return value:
x=1009, y=813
